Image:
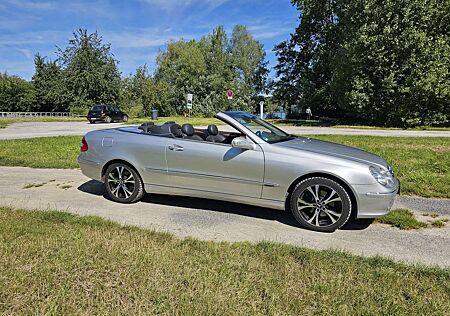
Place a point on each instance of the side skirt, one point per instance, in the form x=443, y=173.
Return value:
x=167, y=190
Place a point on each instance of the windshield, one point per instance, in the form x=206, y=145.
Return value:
x=260, y=128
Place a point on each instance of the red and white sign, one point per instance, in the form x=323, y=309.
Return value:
x=230, y=94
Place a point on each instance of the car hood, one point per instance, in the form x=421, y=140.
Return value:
x=333, y=149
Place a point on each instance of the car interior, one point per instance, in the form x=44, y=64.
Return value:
x=187, y=131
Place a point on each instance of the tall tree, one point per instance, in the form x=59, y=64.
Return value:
x=90, y=70
x=48, y=82
x=369, y=61
x=209, y=67
x=249, y=63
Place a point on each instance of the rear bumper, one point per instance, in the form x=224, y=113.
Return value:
x=89, y=168
x=372, y=202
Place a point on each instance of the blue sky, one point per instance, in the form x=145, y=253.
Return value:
x=136, y=29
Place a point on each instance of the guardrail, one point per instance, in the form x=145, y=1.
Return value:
x=37, y=114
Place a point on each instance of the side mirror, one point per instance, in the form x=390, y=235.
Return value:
x=243, y=143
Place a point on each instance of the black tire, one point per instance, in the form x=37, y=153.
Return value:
x=108, y=119
x=330, y=211
x=91, y=121
x=125, y=118
x=118, y=188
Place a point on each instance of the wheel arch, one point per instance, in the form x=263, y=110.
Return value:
x=343, y=183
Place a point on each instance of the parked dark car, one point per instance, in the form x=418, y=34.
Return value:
x=106, y=113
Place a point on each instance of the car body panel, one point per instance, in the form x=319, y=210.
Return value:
x=219, y=171
x=215, y=167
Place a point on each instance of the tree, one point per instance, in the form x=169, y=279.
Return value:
x=250, y=67
x=48, y=83
x=16, y=94
x=369, y=61
x=91, y=75
x=209, y=67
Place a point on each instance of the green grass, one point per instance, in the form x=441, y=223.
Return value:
x=422, y=164
x=57, y=263
x=401, y=218
x=46, y=152
x=4, y=122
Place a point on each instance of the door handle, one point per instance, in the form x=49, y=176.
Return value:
x=175, y=148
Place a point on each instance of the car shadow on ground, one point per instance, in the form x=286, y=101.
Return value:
x=97, y=188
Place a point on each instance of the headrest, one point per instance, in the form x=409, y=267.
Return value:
x=175, y=129
x=213, y=130
x=145, y=126
x=188, y=129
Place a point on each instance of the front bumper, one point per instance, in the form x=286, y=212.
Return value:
x=373, y=202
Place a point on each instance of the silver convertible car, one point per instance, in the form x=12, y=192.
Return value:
x=251, y=161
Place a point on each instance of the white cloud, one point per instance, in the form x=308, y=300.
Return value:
x=32, y=5
x=143, y=37
x=26, y=52
x=181, y=5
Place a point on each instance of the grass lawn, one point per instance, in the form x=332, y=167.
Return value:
x=402, y=218
x=45, y=152
x=57, y=263
x=4, y=122
x=422, y=164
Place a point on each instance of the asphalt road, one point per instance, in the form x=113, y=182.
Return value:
x=44, y=129
x=218, y=220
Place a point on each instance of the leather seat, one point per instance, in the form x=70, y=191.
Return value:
x=175, y=130
x=214, y=135
x=189, y=132
x=145, y=126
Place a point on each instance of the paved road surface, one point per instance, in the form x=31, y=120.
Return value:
x=43, y=129
x=212, y=220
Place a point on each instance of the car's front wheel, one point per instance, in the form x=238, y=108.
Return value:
x=320, y=204
x=125, y=118
x=123, y=184
x=108, y=119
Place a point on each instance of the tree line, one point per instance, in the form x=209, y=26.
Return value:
x=86, y=73
x=369, y=61
x=384, y=63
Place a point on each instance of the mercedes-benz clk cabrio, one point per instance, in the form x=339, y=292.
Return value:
x=250, y=161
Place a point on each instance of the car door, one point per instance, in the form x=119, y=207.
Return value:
x=115, y=113
x=213, y=167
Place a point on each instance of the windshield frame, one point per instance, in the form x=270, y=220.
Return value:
x=238, y=116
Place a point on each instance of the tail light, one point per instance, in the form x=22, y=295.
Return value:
x=84, y=145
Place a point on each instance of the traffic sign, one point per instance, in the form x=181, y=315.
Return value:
x=189, y=101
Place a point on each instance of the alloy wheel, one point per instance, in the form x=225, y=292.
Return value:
x=320, y=205
x=121, y=182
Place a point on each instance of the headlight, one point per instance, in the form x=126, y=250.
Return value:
x=383, y=176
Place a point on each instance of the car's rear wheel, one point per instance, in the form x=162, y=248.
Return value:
x=125, y=118
x=123, y=184
x=92, y=121
x=320, y=204
x=108, y=119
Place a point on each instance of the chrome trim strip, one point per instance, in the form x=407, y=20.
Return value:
x=174, y=172
x=155, y=170
x=273, y=185
x=381, y=195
